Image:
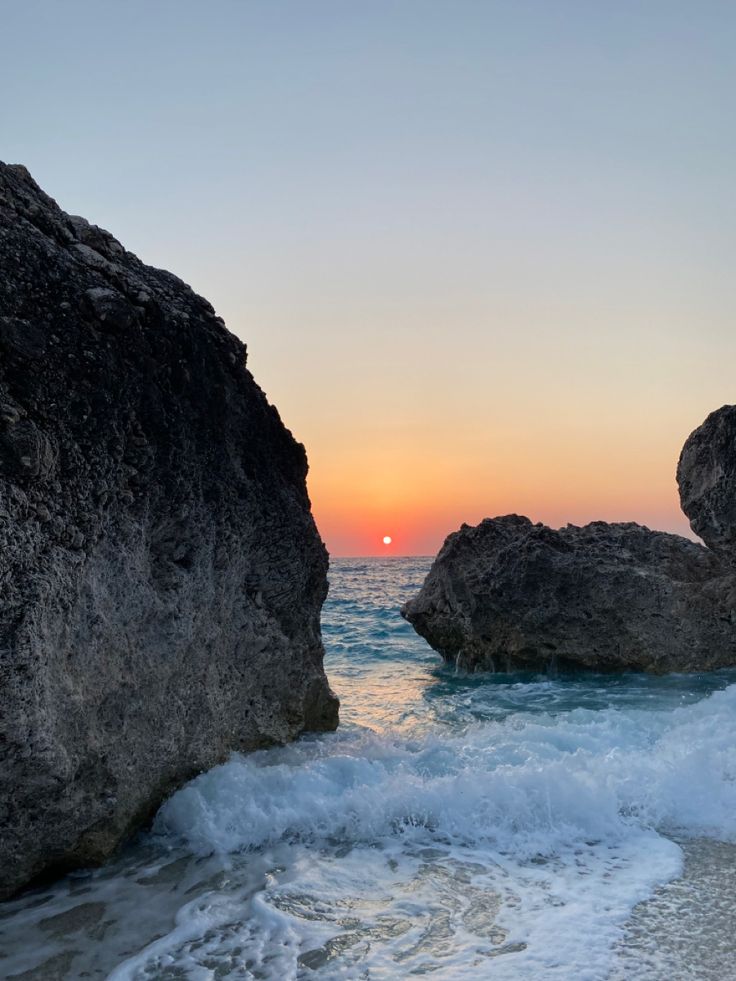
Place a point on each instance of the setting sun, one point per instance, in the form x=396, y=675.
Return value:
x=386, y=539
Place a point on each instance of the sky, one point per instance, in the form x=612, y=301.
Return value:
x=482, y=253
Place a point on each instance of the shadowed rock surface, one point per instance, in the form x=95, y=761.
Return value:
x=161, y=573
x=511, y=595
x=706, y=476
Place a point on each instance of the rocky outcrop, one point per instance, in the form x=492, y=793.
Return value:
x=706, y=475
x=511, y=595
x=162, y=576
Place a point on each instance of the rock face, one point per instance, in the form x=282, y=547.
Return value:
x=162, y=576
x=511, y=595
x=706, y=475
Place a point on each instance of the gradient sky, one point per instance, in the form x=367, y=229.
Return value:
x=482, y=254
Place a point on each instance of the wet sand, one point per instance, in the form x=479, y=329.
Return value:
x=687, y=930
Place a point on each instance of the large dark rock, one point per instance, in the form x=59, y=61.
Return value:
x=511, y=595
x=706, y=475
x=162, y=576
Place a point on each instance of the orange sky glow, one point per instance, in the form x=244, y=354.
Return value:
x=419, y=499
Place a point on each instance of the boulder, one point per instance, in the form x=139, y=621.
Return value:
x=706, y=476
x=511, y=595
x=161, y=574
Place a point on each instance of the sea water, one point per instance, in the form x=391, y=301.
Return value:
x=456, y=826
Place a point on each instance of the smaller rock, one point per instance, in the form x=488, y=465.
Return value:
x=511, y=595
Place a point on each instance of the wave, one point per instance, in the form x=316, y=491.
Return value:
x=526, y=784
x=515, y=848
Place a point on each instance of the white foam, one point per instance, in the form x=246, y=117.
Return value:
x=551, y=824
x=527, y=784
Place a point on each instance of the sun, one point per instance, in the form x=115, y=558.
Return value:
x=387, y=539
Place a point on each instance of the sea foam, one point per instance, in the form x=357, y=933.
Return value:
x=559, y=824
x=527, y=784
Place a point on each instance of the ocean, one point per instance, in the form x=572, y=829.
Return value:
x=580, y=828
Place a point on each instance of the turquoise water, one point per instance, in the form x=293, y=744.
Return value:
x=486, y=826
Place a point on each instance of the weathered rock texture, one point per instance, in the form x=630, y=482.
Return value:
x=511, y=595
x=706, y=475
x=161, y=574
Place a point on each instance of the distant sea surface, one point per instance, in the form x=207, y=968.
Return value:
x=486, y=826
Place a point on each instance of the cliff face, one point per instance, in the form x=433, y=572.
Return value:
x=510, y=595
x=162, y=576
